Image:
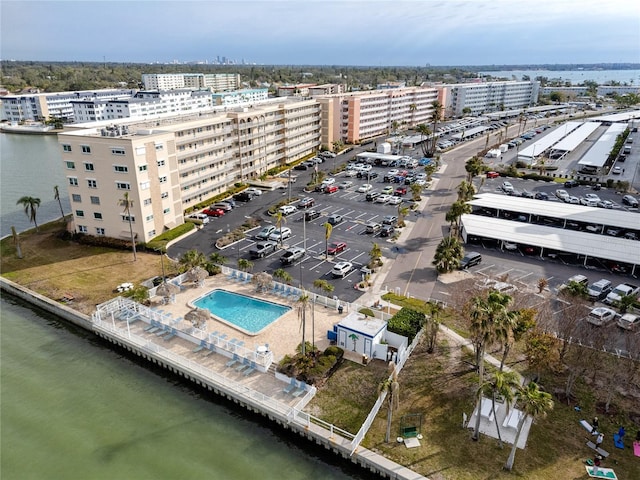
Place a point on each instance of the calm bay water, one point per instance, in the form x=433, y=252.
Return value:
x=72, y=408
x=602, y=77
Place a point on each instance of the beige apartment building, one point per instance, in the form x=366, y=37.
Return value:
x=357, y=116
x=168, y=165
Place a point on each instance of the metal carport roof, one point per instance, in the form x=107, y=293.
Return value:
x=582, y=243
x=599, y=152
x=560, y=210
x=575, y=138
x=547, y=141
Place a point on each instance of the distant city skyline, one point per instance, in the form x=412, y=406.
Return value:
x=313, y=32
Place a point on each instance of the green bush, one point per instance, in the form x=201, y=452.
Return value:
x=537, y=176
x=406, y=322
x=161, y=241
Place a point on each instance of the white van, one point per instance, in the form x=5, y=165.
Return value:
x=200, y=216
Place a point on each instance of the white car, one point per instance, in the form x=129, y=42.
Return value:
x=341, y=269
x=383, y=198
x=507, y=187
x=571, y=199
x=365, y=188
x=254, y=191
x=394, y=200
x=601, y=316
x=588, y=202
x=287, y=209
x=328, y=181
x=629, y=321
x=562, y=194
x=350, y=173
x=616, y=170
x=510, y=245
x=592, y=196
x=605, y=204
x=345, y=184
x=280, y=234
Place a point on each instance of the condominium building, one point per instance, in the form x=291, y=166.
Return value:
x=298, y=90
x=142, y=104
x=44, y=106
x=485, y=97
x=245, y=96
x=217, y=82
x=326, y=89
x=170, y=164
x=356, y=116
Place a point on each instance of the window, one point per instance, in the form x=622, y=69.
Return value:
x=152, y=233
x=92, y=183
x=120, y=168
x=148, y=218
x=161, y=163
x=142, y=168
x=86, y=149
x=147, y=201
x=123, y=186
x=97, y=215
x=76, y=198
x=159, y=146
x=95, y=200
x=83, y=228
x=145, y=185
x=71, y=165
x=79, y=213
x=89, y=167
x=117, y=151
x=166, y=210
x=66, y=148
x=73, y=181
x=125, y=218
x=164, y=195
x=140, y=150
x=163, y=179
x=99, y=231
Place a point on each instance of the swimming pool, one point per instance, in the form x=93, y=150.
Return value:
x=250, y=315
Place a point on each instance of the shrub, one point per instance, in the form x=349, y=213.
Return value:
x=407, y=323
x=161, y=241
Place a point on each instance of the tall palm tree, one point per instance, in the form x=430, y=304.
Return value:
x=485, y=313
x=416, y=192
x=282, y=275
x=127, y=203
x=474, y=167
x=424, y=132
x=466, y=191
x=436, y=115
x=56, y=196
x=534, y=403
x=244, y=264
x=458, y=208
x=392, y=389
x=217, y=258
x=501, y=384
x=375, y=254
x=303, y=305
x=448, y=254
x=403, y=211
x=191, y=259
x=280, y=220
x=30, y=205
x=328, y=228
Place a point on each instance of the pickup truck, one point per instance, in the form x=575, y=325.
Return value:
x=620, y=291
x=292, y=255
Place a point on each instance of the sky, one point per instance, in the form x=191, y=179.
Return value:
x=321, y=32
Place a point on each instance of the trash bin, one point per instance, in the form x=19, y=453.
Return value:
x=340, y=308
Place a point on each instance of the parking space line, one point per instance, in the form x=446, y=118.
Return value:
x=359, y=255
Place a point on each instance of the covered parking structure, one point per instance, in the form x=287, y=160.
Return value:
x=541, y=146
x=469, y=133
x=575, y=138
x=598, y=154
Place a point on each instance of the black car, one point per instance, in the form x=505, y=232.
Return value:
x=301, y=166
x=542, y=196
x=387, y=230
x=571, y=184
x=243, y=197
x=311, y=214
x=368, y=175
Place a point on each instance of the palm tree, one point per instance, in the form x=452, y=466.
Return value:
x=244, y=264
x=283, y=275
x=280, y=220
x=466, y=191
x=534, y=403
x=436, y=115
x=217, y=258
x=191, y=259
x=448, y=254
x=392, y=388
x=424, y=132
x=375, y=254
x=416, y=192
x=474, y=167
x=485, y=313
x=30, y=205
x=56, y=196
x=126, y=203
x=501, y=384
x=303, y=305
x=458, y=208
x=323, y=285
x=328, y=228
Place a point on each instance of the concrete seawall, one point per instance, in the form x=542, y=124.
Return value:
x=291, y=419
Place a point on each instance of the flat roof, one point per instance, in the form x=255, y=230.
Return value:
x=617, y=117
x=560, y=210
x=582, y=243
x=355, y=321
x=548, y=140
x=381, y=156
x=470, y=131
x=575, y=138
x=598, y=154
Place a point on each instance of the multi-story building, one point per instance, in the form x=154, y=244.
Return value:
x=44, y=106
x=601, y=90
x=298, y=90
x=217, y=82
x=142, y=104
x=326, y=89
x=246, y=96
x=356, y=116
x=169, y=164
x=484, y=97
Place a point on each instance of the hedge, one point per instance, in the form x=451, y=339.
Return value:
x=407, y=322
x=160, y=242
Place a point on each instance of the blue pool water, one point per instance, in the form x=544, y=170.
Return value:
x=248, y=314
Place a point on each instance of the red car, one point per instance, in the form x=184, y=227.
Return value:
x=400, y=191
x=493, y=174
x=336, y=247
x=331, y=189
x=214, y=212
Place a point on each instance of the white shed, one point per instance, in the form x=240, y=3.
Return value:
x=359, y=335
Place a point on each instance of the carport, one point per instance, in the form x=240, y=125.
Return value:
x=551, y=238
x=575, y=138
x=598, y=154
x=538, y=148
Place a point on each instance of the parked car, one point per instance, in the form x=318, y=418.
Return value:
x=336, y=247
x=605, y=204
x=526, y=194
x=345, y=184
x=571, y=183
x=341, y=269
x=571, y=199
x=371, y=196
x=470, y=259
x=328, y=181
x=331, y=189
x=562, y=194
x=301, y=166
x=600, y=316
x=292, y=255
x=588, y=202
x=383, y=198
x=256, y=192
x=365, y=188
x=616, y=170
x=509, y=245
x=287, y=210
x=280, y=234
x=592, y=196
x=262, y=249
x=630, y=201
x=629, y=321
x=373, y=227
x=227, y=207
x=311, y=214
x=203, y=217
x=390, y=220
x=265, y=232
x=388, y=190
x=335, y=219
x=599, y=290
x=395, y=200
x=306, y=202
x=213, y=212
x=387, y=230
x=541, y=196
x=507, y=187
x=243, y=197
x=400, y=191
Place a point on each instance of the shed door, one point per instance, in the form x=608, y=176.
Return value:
x=367, y=347
x=342, y=338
